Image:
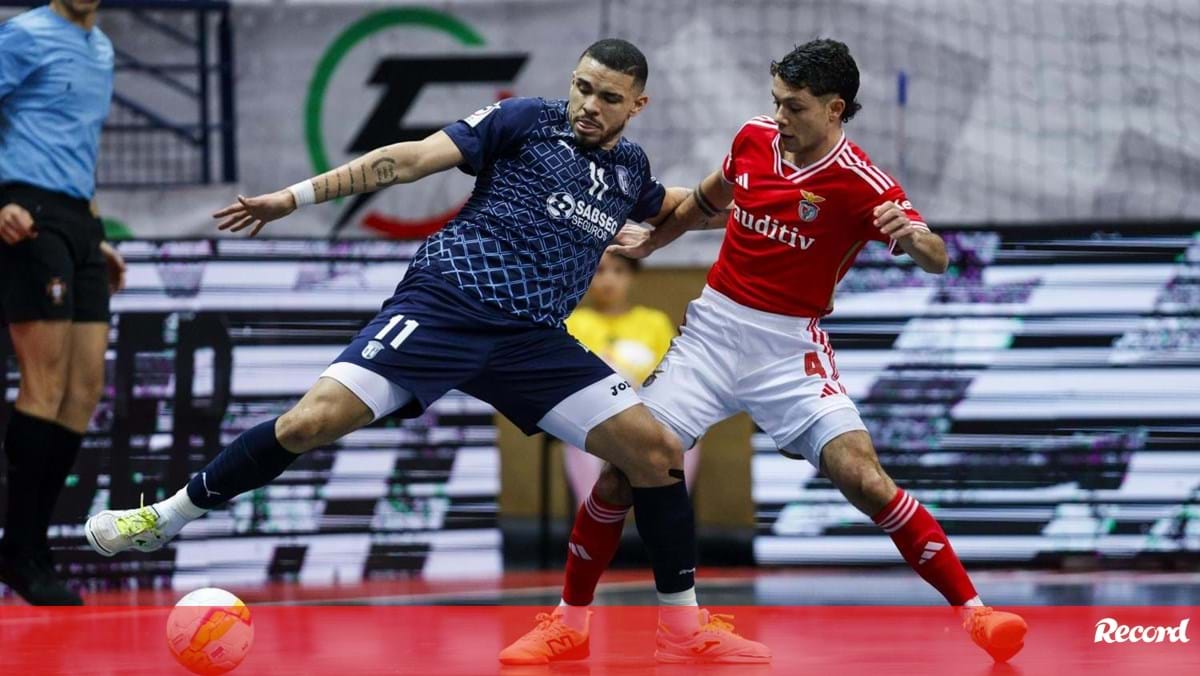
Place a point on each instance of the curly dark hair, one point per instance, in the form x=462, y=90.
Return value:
x=621, y=56
x=823, y=67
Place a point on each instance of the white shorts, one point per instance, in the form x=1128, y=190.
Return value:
x=730, y=358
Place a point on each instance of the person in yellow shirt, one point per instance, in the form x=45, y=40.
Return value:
x=632, y=339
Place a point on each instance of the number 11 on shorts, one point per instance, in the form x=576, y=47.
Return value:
x=409, y=326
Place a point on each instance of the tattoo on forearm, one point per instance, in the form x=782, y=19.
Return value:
x=385, y=172
x=326, y=184
x=364, y=176
x=706, y=207
x=350, y=170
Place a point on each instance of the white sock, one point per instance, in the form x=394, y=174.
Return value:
x=679, y=612
x=176, y=512
x=974, y=603
x=575, y=617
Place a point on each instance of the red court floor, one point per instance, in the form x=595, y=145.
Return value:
x=422, y=627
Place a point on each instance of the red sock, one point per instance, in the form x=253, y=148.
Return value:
x=594, y=540
x=925, y=547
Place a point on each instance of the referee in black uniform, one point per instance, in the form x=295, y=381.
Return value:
x=56, y=271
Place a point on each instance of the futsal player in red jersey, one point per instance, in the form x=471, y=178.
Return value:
x=805, y=200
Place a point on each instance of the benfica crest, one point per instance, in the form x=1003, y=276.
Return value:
x=808, y=206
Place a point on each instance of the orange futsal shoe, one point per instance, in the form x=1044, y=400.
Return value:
x=999, y=633
x=550, y=641
x=714, y=643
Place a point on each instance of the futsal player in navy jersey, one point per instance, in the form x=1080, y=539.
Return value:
x=481, y=310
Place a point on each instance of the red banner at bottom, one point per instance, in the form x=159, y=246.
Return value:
x=841, y=641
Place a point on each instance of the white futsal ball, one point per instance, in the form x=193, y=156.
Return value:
x=209, y=631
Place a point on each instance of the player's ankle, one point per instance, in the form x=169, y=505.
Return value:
x=176, y=512
x=679, y=612
x=183, y=506
x=575, y=617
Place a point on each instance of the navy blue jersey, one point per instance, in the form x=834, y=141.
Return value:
x=542, y=212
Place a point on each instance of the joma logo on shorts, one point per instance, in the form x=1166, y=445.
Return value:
x=1109, y=630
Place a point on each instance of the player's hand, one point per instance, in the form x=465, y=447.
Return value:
x=892, y=221
x=116, y=267
x=632, y=241
x=16, y=225
x=255, y=212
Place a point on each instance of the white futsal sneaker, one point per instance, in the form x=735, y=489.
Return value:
x=116, y=530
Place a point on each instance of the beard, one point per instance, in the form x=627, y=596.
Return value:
x=600, y=142
x=584, y=142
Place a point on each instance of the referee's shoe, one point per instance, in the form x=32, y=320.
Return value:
x=32, y=577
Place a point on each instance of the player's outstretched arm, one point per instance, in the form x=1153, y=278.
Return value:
x=389, y=165
x=694, y=210
x=923, y=246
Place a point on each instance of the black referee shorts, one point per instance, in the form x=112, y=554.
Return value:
x=60, y=274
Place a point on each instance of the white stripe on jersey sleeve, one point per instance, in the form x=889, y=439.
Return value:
x=845, y=162
x=879, y=173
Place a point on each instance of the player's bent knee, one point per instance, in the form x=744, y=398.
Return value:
x=664, y=446
x=650, y=469
x=660, y=460
x=672, y=448
x=298, y=430
x=312, y=424
x=639, y=446
x=613, y=486
x=326, y=413
x=866, y=486
x=876, y=487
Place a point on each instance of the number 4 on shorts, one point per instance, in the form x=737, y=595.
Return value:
x=812, y=365
x=409, y=326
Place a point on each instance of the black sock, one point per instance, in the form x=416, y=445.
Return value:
x=59, y=458
x=667, y=525
x=25, y=444
x=254, y=459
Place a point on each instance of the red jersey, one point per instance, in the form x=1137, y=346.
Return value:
x=794, y=232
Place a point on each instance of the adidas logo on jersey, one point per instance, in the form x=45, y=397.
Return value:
x=743, y=180
x=765, y=225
